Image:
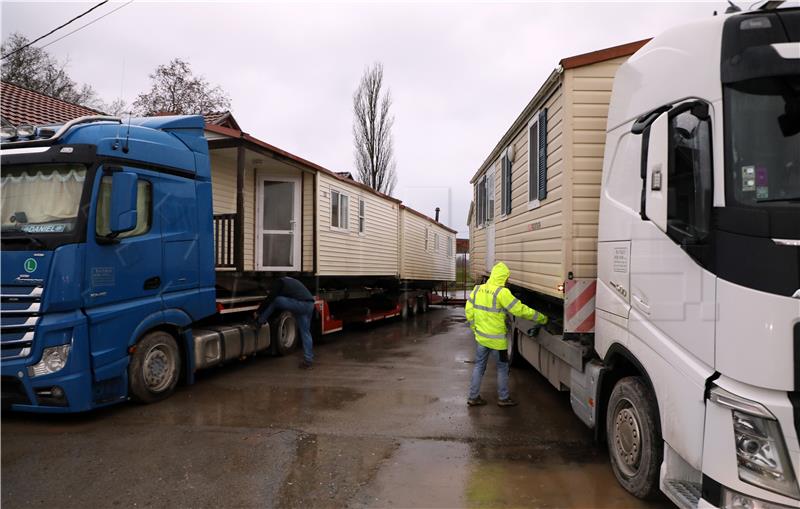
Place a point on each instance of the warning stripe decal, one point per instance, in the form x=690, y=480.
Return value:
x=579, y=314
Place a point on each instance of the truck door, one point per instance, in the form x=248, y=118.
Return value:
x=673, y=297
x=123, y=277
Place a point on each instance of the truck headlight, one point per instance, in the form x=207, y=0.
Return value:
x=762, y=455
x=54, y=358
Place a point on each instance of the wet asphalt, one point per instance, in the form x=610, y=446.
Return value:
x=380, y=421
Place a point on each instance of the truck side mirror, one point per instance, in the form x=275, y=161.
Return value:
x=656, y=190
x=124, y=190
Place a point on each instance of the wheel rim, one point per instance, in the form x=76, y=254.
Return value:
x=158, y=368
x=627, y=437
x=287, y=333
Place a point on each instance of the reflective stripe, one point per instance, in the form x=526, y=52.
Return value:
x=484, y=308
x=490, y=336
x=512, y=304
x=494, y=297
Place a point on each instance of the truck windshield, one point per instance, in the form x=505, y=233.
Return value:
x=41, y=199
x=762, y=146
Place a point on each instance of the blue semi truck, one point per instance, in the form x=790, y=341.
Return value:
x=108, y=279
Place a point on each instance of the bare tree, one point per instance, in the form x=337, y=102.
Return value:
x=34, y=69
x=372, y=132
x=176, y=90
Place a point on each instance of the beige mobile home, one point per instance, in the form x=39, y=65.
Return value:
x=536, y=199
x=275, y=213
x=427, y=248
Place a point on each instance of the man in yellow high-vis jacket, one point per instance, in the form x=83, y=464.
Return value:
x=486, y=314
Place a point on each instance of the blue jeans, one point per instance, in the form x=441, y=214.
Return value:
x=302, y=311
x=481, y=359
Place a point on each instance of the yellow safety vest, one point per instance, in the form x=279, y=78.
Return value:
x=487, y=306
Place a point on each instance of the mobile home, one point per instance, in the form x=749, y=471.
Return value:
x=536, y=198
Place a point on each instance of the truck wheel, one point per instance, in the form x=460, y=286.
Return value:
x=155, y=367
x=423, y=304
x=284, y=333
x=405, y=312
x=514, y=357
x=634, y=441
x=413, y=306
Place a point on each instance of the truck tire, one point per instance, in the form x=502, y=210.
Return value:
x=423, y=304
x=515, y=359
x=405, y=312
x=634, y=441
x=154, y=368
x=413, y=306
x=284, y=333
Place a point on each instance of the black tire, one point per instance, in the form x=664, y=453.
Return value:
x=405, y=312
x=423, y=304
x=515, y=359
x=155, y=368
x=413, y=306
x=635, y=446
x=284, y=333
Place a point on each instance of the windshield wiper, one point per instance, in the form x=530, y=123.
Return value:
x=29, y=237
x=787, y=198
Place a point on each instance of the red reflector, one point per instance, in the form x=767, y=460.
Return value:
x=591, y=401
x=220, y=307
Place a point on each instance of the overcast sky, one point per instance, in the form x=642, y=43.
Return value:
x=459, y=73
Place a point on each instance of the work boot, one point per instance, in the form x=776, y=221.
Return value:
x=476, y=401
x=507, y=402
x=304, y=364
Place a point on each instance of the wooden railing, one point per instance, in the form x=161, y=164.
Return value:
x=225, y=240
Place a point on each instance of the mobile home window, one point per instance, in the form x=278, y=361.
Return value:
x=450, y=248
x=436, y=242
x=490, y=197
x=426, y=239
x=537, y=158
x=339, y=205
x=361, y=215
x=505, y=184
x=480, y=202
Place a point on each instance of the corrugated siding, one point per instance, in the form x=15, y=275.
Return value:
x=249, y=218
x=590, y=92
x=223, y=184
x=419, y=263
x=373, y=253
x=308, y=222
x=530, y=241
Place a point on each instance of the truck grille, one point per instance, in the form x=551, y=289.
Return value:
x=19, y=314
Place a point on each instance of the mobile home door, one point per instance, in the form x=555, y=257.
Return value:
x=278, y=223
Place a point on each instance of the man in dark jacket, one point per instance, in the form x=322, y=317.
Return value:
x=288, y=294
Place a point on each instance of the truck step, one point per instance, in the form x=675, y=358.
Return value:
x=684, y=494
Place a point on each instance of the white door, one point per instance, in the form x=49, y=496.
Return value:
x=278, y=223
x=489, y=247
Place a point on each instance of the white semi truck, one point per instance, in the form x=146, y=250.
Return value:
x=691, y=373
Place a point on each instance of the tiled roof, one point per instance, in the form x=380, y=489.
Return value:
x=22, y=106
x=223, y=118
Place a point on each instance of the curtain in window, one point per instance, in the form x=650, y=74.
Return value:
x=43, y=197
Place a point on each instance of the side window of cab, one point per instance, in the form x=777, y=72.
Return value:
x=144, y=208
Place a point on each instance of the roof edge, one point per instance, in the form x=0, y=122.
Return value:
x=601, y=55
x=432, y=220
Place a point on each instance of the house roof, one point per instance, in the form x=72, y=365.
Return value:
x=572, y=62
x=18, y=105
x=222, y=118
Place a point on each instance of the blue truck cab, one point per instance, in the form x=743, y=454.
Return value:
x=107, y=260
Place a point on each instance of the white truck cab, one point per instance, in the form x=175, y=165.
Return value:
x=698, y=286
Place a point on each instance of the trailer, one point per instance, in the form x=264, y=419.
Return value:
x=134, y=257
x=646, y=200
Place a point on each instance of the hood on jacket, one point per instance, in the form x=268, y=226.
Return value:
x=499, y=274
